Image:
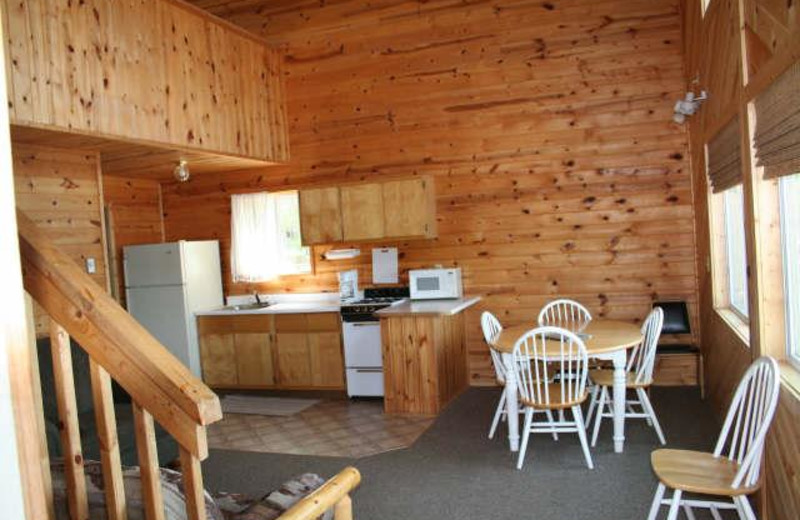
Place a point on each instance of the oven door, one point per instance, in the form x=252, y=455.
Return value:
x=362, y=344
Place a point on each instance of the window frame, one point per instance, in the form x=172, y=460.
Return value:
x=311, y=267
x=719, y=263
x=791, y=321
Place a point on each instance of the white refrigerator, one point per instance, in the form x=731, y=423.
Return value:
x=165, y=284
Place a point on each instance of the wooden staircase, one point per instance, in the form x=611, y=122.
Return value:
x=161, y=388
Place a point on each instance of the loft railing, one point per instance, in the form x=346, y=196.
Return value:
x=160, y=386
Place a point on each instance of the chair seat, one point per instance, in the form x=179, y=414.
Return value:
x=606, y=378
x=556, y=403
x=697, y=472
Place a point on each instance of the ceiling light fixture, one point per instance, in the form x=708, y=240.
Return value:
x=181, y=171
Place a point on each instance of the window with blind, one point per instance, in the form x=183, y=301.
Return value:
x=730, y=253
x=777, y=153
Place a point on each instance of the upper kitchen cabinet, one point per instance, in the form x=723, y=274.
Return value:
x=320, y=216
x=362, y=212
x=409, y=208
x=403, y=208
x=148, y=72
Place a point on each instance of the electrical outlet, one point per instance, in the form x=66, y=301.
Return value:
x=91, y=265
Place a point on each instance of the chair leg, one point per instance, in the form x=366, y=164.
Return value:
x=526, y=433
x=656, y=505
x=674, y=507
x=578, y=415
x=501, y=408
x=743, y=508
x=599, y=414
x=648, y=408
x=550, y=418
x=592, y=405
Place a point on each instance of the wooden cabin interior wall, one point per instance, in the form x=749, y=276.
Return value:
x=769, y=41
x=133, y=216
x=153, y=72
x=60, y=190
x=546, y=125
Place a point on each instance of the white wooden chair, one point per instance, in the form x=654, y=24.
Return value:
x=732, y=471
x=639, y=377
x=564, y=313
x=491, y=327
x=538, y=355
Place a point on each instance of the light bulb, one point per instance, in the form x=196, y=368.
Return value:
x=181, y=171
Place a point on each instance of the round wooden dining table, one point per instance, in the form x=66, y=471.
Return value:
x=604, y=340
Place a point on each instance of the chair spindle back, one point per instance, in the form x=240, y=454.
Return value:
x=491, y=327
x=643, y=358
x=749, y=416
x=564, y=313
x=542, y=353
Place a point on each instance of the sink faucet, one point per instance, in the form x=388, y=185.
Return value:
x=258, y=298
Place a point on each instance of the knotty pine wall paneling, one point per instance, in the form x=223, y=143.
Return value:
x=769, y=42
x=60, y=190
x=146, y=71
x=547, y=127
x=133, y=215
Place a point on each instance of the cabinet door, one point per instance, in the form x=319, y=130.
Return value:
x=218, y=359
x=327, y=365
x=254, y=359
x=320, y=216
x=362, y=211
x=294, y=368
x=409, y=208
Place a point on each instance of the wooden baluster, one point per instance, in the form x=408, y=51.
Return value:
x=105, y=418
x=38, y=410
x=193, y=486
x=148, y=463
x=343, y=510
x=68, y=415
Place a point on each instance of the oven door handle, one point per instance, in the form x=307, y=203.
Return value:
x=369, y=370
x=365, y=324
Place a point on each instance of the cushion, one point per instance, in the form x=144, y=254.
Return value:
x=220, y=506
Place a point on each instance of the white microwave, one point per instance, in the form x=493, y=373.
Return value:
x=434, y=284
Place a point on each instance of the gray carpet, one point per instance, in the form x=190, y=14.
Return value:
x=455, y=472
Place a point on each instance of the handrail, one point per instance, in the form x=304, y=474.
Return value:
x=335, y=493
x=154, y=378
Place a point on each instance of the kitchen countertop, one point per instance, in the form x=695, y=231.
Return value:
x=408, y=307
x=277, y=308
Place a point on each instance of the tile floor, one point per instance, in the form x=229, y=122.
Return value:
x=335, y=428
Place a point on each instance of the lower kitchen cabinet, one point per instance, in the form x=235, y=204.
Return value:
x=254, y=359
x=218, y=357
x=294, y=367
x=291, y=351
x=325, y=355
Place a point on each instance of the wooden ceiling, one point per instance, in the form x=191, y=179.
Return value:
x=135, y=159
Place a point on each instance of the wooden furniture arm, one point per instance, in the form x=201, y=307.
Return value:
x=335, y=493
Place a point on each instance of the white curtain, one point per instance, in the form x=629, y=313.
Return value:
x=255, y=251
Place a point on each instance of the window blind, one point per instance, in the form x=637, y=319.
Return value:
x=725, y=158
x=777, y=132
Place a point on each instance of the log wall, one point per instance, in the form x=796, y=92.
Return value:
x=60, y=190
x=547, y=127
x=133, y=210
